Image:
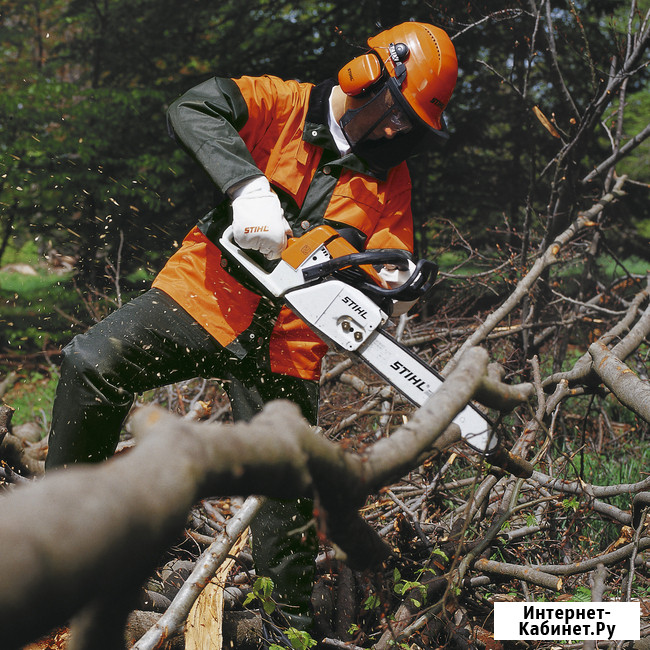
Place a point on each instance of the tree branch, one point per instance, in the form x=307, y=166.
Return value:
x=621, y=380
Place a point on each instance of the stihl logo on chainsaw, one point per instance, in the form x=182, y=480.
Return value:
x=251, y=230
x=409, y=375
x=355, y=308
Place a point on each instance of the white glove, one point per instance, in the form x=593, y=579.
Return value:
x=258, y=221
x=394, y=278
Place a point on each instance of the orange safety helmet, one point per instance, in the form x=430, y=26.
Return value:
x=421, y=60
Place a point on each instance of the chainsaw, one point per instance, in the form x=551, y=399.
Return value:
x=338, y=292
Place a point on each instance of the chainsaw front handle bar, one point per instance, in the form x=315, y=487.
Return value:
x=419, y=283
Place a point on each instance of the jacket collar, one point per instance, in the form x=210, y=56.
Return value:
x=317, y=132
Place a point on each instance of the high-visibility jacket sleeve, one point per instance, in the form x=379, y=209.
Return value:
x=206, y=120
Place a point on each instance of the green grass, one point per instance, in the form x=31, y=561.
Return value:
x=613, y=269
x=457, y=262
x=32, y=398
x=27, y=253
x=45, y=310
x=33, y=307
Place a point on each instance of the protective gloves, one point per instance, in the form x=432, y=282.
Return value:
x=258, y=220
x=395, y=278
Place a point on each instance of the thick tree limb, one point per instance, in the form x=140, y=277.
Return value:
x=621, y=380
x=107, y=524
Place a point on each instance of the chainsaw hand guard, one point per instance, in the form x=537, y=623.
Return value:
x=347, y=268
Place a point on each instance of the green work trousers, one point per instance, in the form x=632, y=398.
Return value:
x=150, y=342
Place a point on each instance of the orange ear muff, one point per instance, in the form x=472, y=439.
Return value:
x=360, y=74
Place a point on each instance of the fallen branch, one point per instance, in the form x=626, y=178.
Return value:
x=582, y=370
x=580, y=487
x=525, y=573
x=590, y=564
x=52, y=559
x=621, y=380
x=203, y=572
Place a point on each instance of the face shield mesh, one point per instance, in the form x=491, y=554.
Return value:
x=377, y=117
x=366, y=130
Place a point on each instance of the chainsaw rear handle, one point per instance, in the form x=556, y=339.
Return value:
x=418, y=284
x=274, y=283
x=277, y=282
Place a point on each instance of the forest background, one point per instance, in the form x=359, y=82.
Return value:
x=87, y=169
x=549, y=114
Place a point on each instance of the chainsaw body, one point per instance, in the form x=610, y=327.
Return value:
x=336, y=290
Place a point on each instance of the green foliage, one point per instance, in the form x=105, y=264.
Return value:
x=84, y=155
x=26, y=254
x=299, y=639
x=32, y=398
x=34, y=310
x=371, y=602
x=402, y=587
x=637, y=109
x=353, y=629
x=262, y=592
x=570, y=504
x=581, y=595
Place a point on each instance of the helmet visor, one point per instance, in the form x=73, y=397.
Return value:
x=370, y=133
x=380, y=117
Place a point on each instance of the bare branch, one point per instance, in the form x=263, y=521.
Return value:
x=548, y=258
x=528, y=574
x=606, y=164
x=550, y=37
x=621, y=380
x=205, y=569
x=613, y=557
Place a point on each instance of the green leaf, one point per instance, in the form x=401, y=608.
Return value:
x=372, y=602
x=300, y=640
x=570, y=504
x=582, y=595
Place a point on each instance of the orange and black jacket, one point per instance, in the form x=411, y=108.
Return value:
x=237, y=129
